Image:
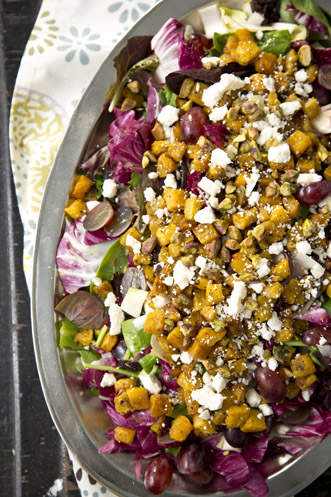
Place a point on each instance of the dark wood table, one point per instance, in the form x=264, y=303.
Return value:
x=32, y=455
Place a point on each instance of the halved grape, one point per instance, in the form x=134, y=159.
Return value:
x=313, y=193
x=314, y=334
x=99, y=216
x=324, y=76
x=271, y=384
x=200, y=42
x=192, y=123
x=190, y=460
x=158, y=474
x=120, y=222
x=235, y=437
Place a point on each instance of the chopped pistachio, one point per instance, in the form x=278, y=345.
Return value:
x=307, y=228
x=305, y=55
x=186, y=87
x=288, y=189
x=225, y=205
x=322, y=152
x=251, y=304
x=230, y=187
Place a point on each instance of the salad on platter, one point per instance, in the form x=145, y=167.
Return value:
x=194, y=268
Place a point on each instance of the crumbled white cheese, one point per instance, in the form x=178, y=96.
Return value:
x=274, y=322
x=213, y=202
x=269, y=83
x=186, y=357
x=218, y=383
x=269, y=133
x=116, y=316
x=218, y=113
x=182, y=275
x=272, y=364
x=97, y=281
x=108, y=380
x=168, y=280
x=91, y=204
x=149, y=194
x=301, y=76
x=276, y=248
x=273, y=119
x=253, y=398
x=279, y=153
x=205, y=216
x=289, y=108
x=306, y=395
x=251, y=182
x=303, y=247
x=110, y=299
x=146, y=218
x=219, y=158
x=308, y=88
x=308, y=178
x=259, y=35
x=109, y=188
x=133, y=243
x=328, y=252
x=170, y=181
x=257, y=287
x=207, y=398
x=262, y=267
x=161, y=301
x=254, y=198
x=153, y=175
x=210, y=61
x=168, y=115
x=214, y=93
x=265, y=409
x=209, y=186
x=150, y=382
x=201, y=262
x=238, y=294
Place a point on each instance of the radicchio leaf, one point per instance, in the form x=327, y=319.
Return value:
x=175, y=79
x=77, y=260
x=153, y=103
x=233, y=466
x=192, y=182
x=82, y=309
x=317, y=315
x=98, y=161
x=216, y=133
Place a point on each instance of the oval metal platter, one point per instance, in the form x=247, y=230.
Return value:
x=79, y=418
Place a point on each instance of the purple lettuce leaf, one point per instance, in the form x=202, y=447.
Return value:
x=322, y=56
x=153, y=103
x=129, y=139
x=216, y=133
x=255, y=451
x=166, y=377
x=192, y=182
x=305, y=19
x=98, y=161
x=82, y=309
x=256, y=484
x=78, y=261
x=233, y=466
x=317, y=315
x=94, y=237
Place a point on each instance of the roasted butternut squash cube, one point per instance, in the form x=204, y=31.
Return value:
x=204, y=341
x=254, y=423
x=240, y=263
x=181, y=428
x=281, y=268
x=164, y=234
x=122, y=403
x=265, y=63
x=175, y=338
x=209, y=313
x=284, y=335
x=306, y=381
x=312, y=108
x=103, y=289
x=302, y=365
x=174, y=199
x=203, y=428
x=84, y=338
x=292, y=206
x=205, y=233
x=160, y=404
x=273, y=290
x=76, y=209
x=154, y=324
x=131, y=232
x=165, y=165
x=109, y=342
x=83, y=185
x=243, y=35
x=279, y=215
x=177, y=150
x=191, y=405
x=243, y=220
x=159, y=147
x=161, y=425
x=214, y=293
x=124, y=435
x=124, y=384
x=237, y=416
x=245, y=52
x=299, y=142
x=192, y=206
x=189, y=382
x=138, y=398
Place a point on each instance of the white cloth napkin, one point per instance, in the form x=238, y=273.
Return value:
x=67, y=45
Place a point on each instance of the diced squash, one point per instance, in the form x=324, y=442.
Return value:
x=204, y=341
x=312, y=108
x=306, y=381
x=299, y=142
x=243, y=35
x=189, y=382
x=83, y=185
x=138, y=398
x=214, y=293
x=161, y=425
x=165, y=165
x=209, y=313
x=240, y=263
x=245, y=52
x=175, y=338
x=254, y=423
x=181, y=428
x=159, y=147
x=124, y=384
x=177, y=150
x=132, y=232
x=164, y=234
x=205, y=233
x=302, y=365
x=243, y=220
x=103, y=289
x=237, y=415
x=273, y=290
x=109, y=342
x=124, y=435
x=265, y=63
x=160, y=404
x=284, y=335
x=175, y=199
x=191, y=405
x=192, y=206
x=203, y=428
x=154, y=324
x=76, y=209
x=122, y=403
x=292, y=206
x=84, y=338
x=281, y=268
x=279, y=215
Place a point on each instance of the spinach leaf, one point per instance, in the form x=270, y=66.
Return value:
x=135, y=180
x=67, y=335
x=304, y=212
x=135, y=340
x=147, y=362
x=220, y=41
x=177, y=410
x=286, y=15
x=312, y=9
x=167, y=97
x=113, y=262
x=98, y=182
x=276, y=42
x=327, y=305
x=174, y=451
x=89, y=356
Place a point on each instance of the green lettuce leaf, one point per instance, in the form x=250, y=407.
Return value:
x=113, y=262
x=312, y=9
x=220, y=40
x=167, y=97
x=276, y=42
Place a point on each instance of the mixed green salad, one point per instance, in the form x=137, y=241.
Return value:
x=195, y=263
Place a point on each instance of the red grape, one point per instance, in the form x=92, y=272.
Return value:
x=313, y=193
x=192, y=122
x=120, y=222
x=99, y=216
x=321, y=93
x=158, y=474
x=200, y=42
x=190, y=460
x=271, y=384
x=314, y=333
x=324, y=76
x=235, y=437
